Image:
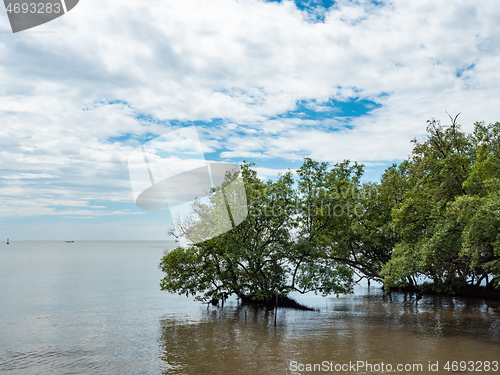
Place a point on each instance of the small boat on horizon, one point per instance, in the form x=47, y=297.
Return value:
x=70, y=241
x=7, y=241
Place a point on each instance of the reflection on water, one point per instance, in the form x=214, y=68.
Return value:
x=96, y=308
x=375, y=328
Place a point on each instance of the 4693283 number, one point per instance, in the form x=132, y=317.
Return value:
x=34, y=8
x=478, y=366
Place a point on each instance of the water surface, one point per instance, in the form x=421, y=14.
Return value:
x=96, y=308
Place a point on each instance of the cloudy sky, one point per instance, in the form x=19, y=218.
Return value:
x=267, y=81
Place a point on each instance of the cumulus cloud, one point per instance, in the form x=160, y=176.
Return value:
x=76, y=102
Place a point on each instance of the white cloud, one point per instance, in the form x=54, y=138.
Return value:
x=63, y=96
x=266, y=173
x=28, y=176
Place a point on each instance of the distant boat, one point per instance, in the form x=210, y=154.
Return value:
x=7, y=241
x=70, y=241
x=176, y=240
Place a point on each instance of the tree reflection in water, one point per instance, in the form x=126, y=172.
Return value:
x=376, y=327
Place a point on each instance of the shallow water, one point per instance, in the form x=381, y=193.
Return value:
x=369, y=328
x=96, y=308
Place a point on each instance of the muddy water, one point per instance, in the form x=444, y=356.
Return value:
x=96, y=308
x=370, y=327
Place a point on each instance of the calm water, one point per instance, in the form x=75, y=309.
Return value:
x=96, y=308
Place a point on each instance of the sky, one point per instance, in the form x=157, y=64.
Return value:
x=270, y=82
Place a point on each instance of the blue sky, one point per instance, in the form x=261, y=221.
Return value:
x=266, y=81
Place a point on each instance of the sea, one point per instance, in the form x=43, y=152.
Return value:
x=95, y=307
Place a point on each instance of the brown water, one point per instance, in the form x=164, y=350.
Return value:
x=96, y=308
x=370, y=327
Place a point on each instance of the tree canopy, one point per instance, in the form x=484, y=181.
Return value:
x=447, y=221
x=432, y=222
x=292, y=239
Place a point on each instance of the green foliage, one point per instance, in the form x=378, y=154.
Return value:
x=434, y=217
x=344, y=218
x=447, y=221
x=311, y=233
x=258, y=257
